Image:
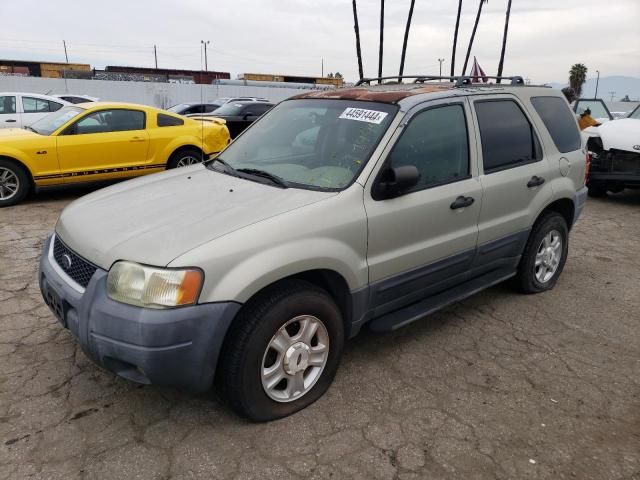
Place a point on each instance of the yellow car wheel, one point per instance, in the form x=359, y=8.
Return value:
x=185, y=157
x=14, y=183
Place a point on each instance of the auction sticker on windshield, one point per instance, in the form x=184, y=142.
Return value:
x=362, y=115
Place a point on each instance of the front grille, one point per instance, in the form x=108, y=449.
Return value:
x=72, y=264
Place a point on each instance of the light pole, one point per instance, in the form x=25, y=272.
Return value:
x=206, y=67
x=597, y=82
x=441, y=60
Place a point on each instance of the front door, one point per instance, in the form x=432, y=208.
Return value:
x=419, y=242
x=9, y=116
x=34, y=108
x=104, y=144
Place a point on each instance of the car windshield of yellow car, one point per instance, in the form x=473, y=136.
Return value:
x=318, y=144
x=49, y=124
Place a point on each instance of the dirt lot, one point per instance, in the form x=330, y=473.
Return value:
x=500, y=386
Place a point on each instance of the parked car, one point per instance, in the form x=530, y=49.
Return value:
x=238, y=115
x=76, y=98
x=635, y=113
x=101, y=141
x=614, y=147
x=241, y=99
x=374, y=205
x=19, y=110
x=599, y=110
x=195, y=108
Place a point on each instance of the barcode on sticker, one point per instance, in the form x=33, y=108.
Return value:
x=362, y=115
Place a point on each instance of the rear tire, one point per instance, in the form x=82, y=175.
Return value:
x=15, y=183
x=185, y=157
x=544, y=255
x=274, y=363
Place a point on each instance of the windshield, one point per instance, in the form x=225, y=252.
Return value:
x=179, y=107
x=230, y=109
x=636, y=113
x=312, y=143
x=50, y=123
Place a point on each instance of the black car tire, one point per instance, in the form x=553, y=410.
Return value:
x=250, y=335
x=526, y=279
x=183, y=153
x=23, y=180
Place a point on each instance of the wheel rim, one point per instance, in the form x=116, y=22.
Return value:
x=548, y=256
x=295, y=358
x=9, y=184
x=187, y=160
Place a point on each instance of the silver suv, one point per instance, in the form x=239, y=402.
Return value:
x=373, y=205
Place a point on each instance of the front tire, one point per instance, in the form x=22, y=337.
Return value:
x=282, y=352
x=544, y=255
x=14, y=183
x=185, y=157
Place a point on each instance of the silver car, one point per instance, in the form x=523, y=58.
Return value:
x=373, y=205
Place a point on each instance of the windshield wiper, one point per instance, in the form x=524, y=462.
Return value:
x=27, y=127
x=264, y=174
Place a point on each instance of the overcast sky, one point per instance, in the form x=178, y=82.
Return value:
x=291, y=36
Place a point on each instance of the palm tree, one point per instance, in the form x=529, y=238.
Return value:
x=406, y=39
x=473, y=35
x=504, y=40
x=357, y=29
x=577, y=77
x=455, y=40
x=381, y=39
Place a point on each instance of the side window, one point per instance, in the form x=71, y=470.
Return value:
x=39, y=105
x=210, y=108
x=437, y=143
x=507, y=137
x=169, y=121
x=108, y=121
x=7, y=105
x=560, y=122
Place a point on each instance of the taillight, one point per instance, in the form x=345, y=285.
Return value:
x=587, y=167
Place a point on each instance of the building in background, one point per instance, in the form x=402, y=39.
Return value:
x=41, y=69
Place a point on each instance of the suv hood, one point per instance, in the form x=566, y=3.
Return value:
x=623, y=134
x=156, y=218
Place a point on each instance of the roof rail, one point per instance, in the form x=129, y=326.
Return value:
x=460, y=81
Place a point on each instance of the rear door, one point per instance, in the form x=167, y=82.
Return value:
x=105, y=144
x=9, y=113
x=425, y=238
x=514, y=175
x=34, y=108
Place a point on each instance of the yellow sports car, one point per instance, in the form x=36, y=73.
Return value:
x=101, y=141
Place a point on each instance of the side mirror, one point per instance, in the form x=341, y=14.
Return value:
x=396, y=181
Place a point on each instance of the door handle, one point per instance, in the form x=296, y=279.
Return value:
x=535, y=182
x=462, y=202
x=11, y=120
x=137, y=139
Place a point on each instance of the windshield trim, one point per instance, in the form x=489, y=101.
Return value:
x=74, y=106
x=395, y=110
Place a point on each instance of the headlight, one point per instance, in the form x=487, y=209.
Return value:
x=144, y=286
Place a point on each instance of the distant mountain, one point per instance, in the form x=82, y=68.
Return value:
x=621, y=86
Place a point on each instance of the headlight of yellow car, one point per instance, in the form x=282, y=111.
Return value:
x=150, y=287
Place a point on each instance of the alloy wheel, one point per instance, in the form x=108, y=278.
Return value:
x=548, y=256
x=9, y=183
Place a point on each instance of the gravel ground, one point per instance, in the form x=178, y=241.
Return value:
x=499, y=386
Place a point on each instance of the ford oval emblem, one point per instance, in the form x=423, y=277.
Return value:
x=636, y=147
x=66, y=260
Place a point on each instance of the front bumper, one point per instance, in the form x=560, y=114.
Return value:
x=176, y=347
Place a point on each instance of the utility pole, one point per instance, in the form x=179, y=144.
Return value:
x=322, y=66
x=206, y=67
x=64, y=44
x=597, y=82
x=441, y=60
x=612, y=94
x=381, y=40
x=155, y=55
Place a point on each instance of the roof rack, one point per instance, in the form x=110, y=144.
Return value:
x=460, y=81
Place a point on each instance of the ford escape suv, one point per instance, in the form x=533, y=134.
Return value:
x=373, y=205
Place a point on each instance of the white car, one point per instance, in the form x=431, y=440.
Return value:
x=19, y=110
x=76, y=98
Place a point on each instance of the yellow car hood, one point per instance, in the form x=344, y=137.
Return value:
x=13, y=133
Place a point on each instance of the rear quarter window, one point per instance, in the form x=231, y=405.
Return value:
x=560, y=122
x=169, y=121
